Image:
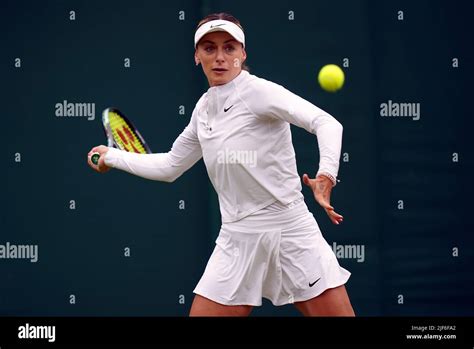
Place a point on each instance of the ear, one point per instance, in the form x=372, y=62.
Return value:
x=244, y=55
x=196, y=58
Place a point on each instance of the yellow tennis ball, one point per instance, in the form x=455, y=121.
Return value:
x=331, y=78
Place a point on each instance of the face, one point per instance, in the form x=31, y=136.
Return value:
x=221, y=57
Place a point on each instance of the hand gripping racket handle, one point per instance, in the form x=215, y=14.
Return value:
x=95, y=158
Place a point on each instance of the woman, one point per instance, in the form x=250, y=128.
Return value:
x=269, y=244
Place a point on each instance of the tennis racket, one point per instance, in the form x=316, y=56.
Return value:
x=121, y=134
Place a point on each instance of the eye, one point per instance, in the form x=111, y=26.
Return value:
x=209, y=49
x=229, y=49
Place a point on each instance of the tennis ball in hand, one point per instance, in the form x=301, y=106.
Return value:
x=331, y=78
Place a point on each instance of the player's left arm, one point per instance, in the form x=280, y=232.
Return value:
x=277, y=102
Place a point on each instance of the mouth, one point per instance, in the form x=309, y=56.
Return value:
x=219, y=70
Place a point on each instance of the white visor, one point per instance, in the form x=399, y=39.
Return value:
x=219, y=25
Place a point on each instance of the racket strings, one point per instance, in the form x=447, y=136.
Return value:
x=124, y=136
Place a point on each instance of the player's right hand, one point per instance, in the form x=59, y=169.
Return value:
x=101, y=167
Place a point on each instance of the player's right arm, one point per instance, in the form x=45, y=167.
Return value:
x=165, y=167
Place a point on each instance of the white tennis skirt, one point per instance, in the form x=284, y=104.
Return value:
x=277, y=254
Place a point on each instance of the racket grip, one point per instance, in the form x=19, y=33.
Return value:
x=95, y=158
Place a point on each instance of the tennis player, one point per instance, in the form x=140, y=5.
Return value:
x=269, y=244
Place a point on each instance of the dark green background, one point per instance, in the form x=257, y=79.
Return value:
x=407, y=252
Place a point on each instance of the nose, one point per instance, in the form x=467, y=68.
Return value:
x=220, y=55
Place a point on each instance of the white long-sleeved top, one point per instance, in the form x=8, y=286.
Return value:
x=242, y=130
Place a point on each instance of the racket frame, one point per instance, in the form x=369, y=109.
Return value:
x=108, y=130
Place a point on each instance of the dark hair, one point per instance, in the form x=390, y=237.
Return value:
x=226, y=17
